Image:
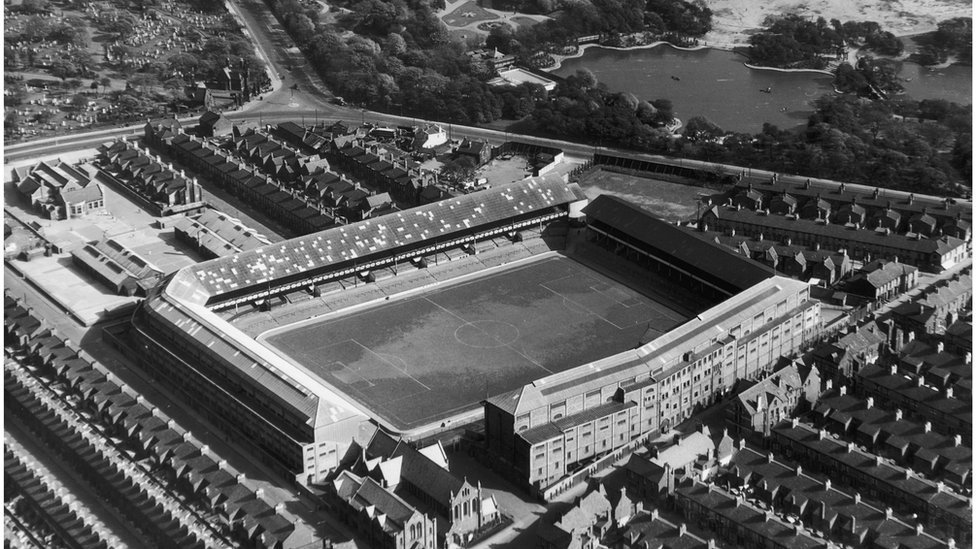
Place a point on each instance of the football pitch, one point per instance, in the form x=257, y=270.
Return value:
x=429, y=356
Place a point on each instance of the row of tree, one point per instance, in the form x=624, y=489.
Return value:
x=398, y=55
x=921, y=146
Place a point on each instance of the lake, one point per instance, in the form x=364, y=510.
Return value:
x=716, y=84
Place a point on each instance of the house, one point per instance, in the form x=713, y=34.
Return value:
x=815, y=208
x=749, y=199
x=582, y=526
x=212, y=124
x=851, y=214
x=783, y=204
x=428, y=137
x=375, y=204
x=480, y=151
x=881, y=280
x=760, y=406
x=856, y=348
x=937, y=308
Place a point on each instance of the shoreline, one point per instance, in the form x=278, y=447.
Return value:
x=731, y=47
x=582, y=49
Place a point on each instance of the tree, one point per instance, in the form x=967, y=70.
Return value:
x=104, y=82
x=79, y=101
x=585, y=78
x=36, y=28
x=699, y=129
x=395, y=44
x=628, y=101
x=11, y=122
x=459, y=170
x=63, y=68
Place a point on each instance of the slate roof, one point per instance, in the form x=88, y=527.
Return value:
x=882, y=472
x=749, y=517
x=90, y=193
x=939, y=245
x=771, y=388
x=723, y=267
x=881, y=272
x=363, y=493
x=805, y=491
x=416, y=468
x=657, y=532
x=874, y=199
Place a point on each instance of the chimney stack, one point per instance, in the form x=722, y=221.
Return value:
x=857, y=498
x=957, y=440
x=869, y=403
x=826, y=485
x=843, y=390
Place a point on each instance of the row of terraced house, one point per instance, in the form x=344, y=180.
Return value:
x=929, y=233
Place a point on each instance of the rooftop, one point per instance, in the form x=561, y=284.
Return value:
x=358, y=242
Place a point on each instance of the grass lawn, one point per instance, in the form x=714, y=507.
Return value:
x=430, y=356
x=467, y=13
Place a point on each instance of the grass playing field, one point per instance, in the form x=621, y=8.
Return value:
x=432, y=355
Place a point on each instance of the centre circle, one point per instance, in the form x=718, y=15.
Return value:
x=486, y=334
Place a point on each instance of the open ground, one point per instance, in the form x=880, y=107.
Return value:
x=669, y=201
x=734, y=20
x=426, y=357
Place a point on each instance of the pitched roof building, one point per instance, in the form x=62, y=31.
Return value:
x=460, y=507
x=59, y=190
x=765, y=403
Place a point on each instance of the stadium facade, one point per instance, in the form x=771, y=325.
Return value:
x=302, y=427
x=552, y=426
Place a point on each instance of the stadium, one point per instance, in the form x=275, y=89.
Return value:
x=416, y=320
